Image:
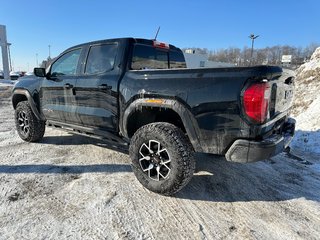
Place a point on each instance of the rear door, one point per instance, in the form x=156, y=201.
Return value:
x=57, y=93
x=96, y=88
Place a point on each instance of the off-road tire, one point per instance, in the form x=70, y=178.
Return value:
x=24, y=116
x=182, y=164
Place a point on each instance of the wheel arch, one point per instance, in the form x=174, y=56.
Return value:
x=160, y=110
x=19, y=95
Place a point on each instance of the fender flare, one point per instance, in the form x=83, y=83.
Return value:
x=30, y=100
x=186, y=116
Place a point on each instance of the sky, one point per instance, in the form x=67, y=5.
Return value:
x=34, y=25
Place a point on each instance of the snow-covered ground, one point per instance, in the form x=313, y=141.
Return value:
x=72, y=187
x=6, y=83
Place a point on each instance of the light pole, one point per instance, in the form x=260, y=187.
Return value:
x=253, y=37
x=49, y=46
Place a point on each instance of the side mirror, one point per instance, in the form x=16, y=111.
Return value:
x=39, y=72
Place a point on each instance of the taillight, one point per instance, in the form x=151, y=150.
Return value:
x=256, y=101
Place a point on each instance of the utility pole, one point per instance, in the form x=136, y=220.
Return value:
x=253, y=37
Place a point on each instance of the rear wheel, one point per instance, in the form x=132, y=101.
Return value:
x=29, y=128
x=162, y=158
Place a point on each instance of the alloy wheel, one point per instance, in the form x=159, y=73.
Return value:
x=155, y=160
x=23, y=122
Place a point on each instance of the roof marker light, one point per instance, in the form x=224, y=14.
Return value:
x=161, y=45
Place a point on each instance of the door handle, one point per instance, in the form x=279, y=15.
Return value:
x=104, y=87
x=68, y=85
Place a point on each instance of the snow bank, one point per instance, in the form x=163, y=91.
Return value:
x=307, y=83
x=307, y=135
x=6, y=83
x=314, y=62
x=316, y=54
x=307, y=105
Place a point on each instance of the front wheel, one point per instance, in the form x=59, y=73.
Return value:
x=29, y=128
x=162, y=158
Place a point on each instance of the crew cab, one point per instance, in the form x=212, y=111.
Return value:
x=139, y=93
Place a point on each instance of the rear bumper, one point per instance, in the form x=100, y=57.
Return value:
x=245, y=151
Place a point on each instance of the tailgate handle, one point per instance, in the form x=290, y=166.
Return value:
x=68, y=85
x=289, y=81
x=104, y=87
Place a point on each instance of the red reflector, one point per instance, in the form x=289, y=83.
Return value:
x=161, y=45
x=256, y=101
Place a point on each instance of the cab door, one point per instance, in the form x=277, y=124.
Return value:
x=96, y=88
x=57, y=91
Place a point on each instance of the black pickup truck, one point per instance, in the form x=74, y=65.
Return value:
x=139, y=93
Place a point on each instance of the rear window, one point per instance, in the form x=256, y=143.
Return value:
x=177, y=60
x=147, y=57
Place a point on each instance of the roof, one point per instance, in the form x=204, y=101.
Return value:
x=136, y=40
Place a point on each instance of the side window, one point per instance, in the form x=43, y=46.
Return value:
x=177, y=60
x=145, y=57
x=101, y=58
x=66, y=64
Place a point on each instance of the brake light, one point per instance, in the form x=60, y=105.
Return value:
x=161, y=45
x=256, y=101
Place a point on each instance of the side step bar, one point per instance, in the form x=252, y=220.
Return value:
x=88, y=132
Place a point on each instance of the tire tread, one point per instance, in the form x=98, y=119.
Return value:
x=37, y=127
x=184, y=149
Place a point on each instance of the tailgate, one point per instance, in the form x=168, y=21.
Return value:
x=281, y=93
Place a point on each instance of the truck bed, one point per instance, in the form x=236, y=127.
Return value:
x=213, y=96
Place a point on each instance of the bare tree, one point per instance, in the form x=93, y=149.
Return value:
x=268, y=55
